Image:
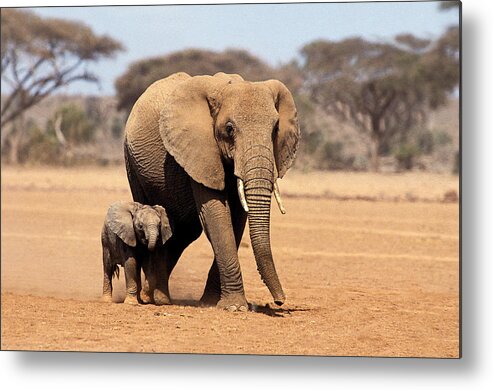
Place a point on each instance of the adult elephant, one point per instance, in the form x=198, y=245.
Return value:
x=209, y=149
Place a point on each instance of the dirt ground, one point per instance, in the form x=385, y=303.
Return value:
x=362, y=277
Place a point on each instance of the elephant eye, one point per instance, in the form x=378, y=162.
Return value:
x=229, y=129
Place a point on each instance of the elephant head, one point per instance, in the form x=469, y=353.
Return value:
x=132, y=221
x=212, y=121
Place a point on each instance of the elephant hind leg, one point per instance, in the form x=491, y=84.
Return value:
x=107, y=288
x=160, y=263
x=159, y=271
x=108, y=271
x=156, y=278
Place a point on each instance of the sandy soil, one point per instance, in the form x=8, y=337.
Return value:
x=363, y=278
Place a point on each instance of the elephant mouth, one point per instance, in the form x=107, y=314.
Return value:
x=241, y=195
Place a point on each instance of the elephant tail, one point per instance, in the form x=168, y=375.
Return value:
x=115, y=272
x=112, y=270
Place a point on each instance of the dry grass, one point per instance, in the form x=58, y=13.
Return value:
x=381, y=186
x=336, y=185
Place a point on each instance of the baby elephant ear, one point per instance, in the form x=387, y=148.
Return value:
x=120, y=221
x=166, y=232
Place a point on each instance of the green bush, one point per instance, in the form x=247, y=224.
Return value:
x=385, y=147
x=75, y=125
x=42, y=147
x=457, y=163
x=117, y=127
x=405, y=155
x=442, y=138
x=426, y=142
x=312, y=142
x=333, y=156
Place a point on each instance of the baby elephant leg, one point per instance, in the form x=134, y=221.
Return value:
x=107, y=276
x=132, y=280
x=146, y=295
x=107, y=288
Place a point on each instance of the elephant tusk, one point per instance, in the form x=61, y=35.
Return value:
x=277, y=195
x=241, y=194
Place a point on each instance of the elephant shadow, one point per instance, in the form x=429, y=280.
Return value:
x=267, y=309
x=273, y=310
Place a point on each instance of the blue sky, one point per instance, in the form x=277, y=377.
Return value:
x=273, y=32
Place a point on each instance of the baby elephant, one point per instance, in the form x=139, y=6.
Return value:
x=130, y=236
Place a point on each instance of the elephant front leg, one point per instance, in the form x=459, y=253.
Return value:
x=215, y=217
x=132, y=280
x=161, y=290
x=212, y=290
x=146, y=295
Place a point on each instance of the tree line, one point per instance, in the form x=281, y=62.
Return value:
x=384, y=91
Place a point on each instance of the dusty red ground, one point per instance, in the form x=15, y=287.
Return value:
x=362, y=278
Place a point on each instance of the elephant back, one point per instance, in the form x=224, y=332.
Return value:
x=142, y=138
x=143, y=122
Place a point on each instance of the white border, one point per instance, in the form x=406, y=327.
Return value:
x=474, y=370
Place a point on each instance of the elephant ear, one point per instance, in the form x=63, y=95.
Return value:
x=186, y=127
x=288, y=134
x=166, y=231
x=120, y=221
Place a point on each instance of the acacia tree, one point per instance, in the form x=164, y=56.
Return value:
x=384, y=89
x=143, y=73
x=38, y=57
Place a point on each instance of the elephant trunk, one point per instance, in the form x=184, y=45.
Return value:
x=152, y=236
x=258, y=183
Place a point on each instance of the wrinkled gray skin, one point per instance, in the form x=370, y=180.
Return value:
x=132, y=236
x=187, y=141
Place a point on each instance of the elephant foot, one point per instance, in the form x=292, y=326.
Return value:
x=233, y=302
x=131, y=300
x=106, y=298
x=145, y=297
x=161, y=298
x=209, y=299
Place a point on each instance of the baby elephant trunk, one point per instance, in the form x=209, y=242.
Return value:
x=152, y=236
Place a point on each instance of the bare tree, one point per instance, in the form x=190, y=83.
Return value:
x=41, y=55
